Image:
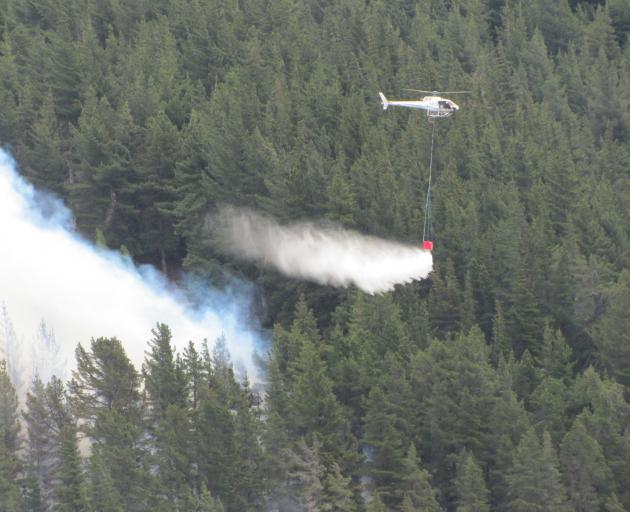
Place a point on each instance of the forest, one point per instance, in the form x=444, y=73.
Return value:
x=501, y=383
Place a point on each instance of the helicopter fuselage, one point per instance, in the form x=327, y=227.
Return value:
x=436, y=106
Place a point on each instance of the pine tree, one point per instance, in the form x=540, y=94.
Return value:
x=341, y=201
x=207, y=503
x=214, y=444
x=10, y=496
x=156, y=193
x=471, y=493
x=613, y=504
x=446, y=301
x=44, y=158
x=468, y=304
x=416, y=489
x=524, y=320
x=584, y=469
x=313, y=407
x=163, y=376
x=527, y=376
x=101, y=192
x=275, y=434
x=31, y=492
x=9, y=118
x=305, y=475
x=337, y=494
x=508, y=422
x=104, y=393
x=376, y=504
x=37, y=420
x=501, y=342
x=534, y=481
x=103, y=494
x=54, y=447
x=454, y=388
x=250, y=476
x=549, y=403
x=604, y=412
x=71, y=492
x=556, y=354
x=195, y=375
x=384, y=447
x=611, y=333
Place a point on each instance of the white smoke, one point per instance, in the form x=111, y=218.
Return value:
x=49, y=274
x=323, y=254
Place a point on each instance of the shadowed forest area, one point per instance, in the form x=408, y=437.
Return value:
x=500, y=383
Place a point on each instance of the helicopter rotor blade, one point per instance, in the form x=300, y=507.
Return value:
x=438, y=92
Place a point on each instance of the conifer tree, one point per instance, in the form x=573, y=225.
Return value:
x=156, y=192
x=508, y=422
x=454, y=388
x=416, y=488
x=195, y=375
x=524, y=320
x=337, y=494
x=445, y=302
x=611, y=333
x=207, y=503
x=313, y=407
x=10, y=496
x=104, y=393
x=549, y=402
x=71, y=491
x=214, y=445
x=613, y=504
x=384, y=446
x=584, y=469
x=162, y=376
x=306, y=472
x=501, y=342
x=534, y=482
x=471, y=493
x=468, y=304
x=376, y=504
x=556, y=354
x=604, y=412
x=103, y=494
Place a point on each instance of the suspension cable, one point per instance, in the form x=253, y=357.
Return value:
x=427, y=233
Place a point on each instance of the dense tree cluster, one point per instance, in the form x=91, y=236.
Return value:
x=501, y=383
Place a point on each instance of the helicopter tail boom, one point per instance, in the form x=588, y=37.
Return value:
x=384, y=101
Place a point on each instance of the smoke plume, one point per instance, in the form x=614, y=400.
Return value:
x=323, y=254
x=56, y=290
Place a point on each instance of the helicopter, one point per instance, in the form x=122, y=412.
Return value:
x=435, y=105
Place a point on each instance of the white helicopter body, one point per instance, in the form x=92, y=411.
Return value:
x=436, y=106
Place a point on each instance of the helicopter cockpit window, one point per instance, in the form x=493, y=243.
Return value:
x=444, y=104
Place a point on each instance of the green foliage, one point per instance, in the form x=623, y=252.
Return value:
x=54, y=460
x=534, y=480
x=10, y=497
x=146, y=116
x=385, y=444
x=586, y=474
x=471, y=493
x=611, y=333
x=416, y=489
x=105, y=396
x=454, y=386
x=337, y=495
